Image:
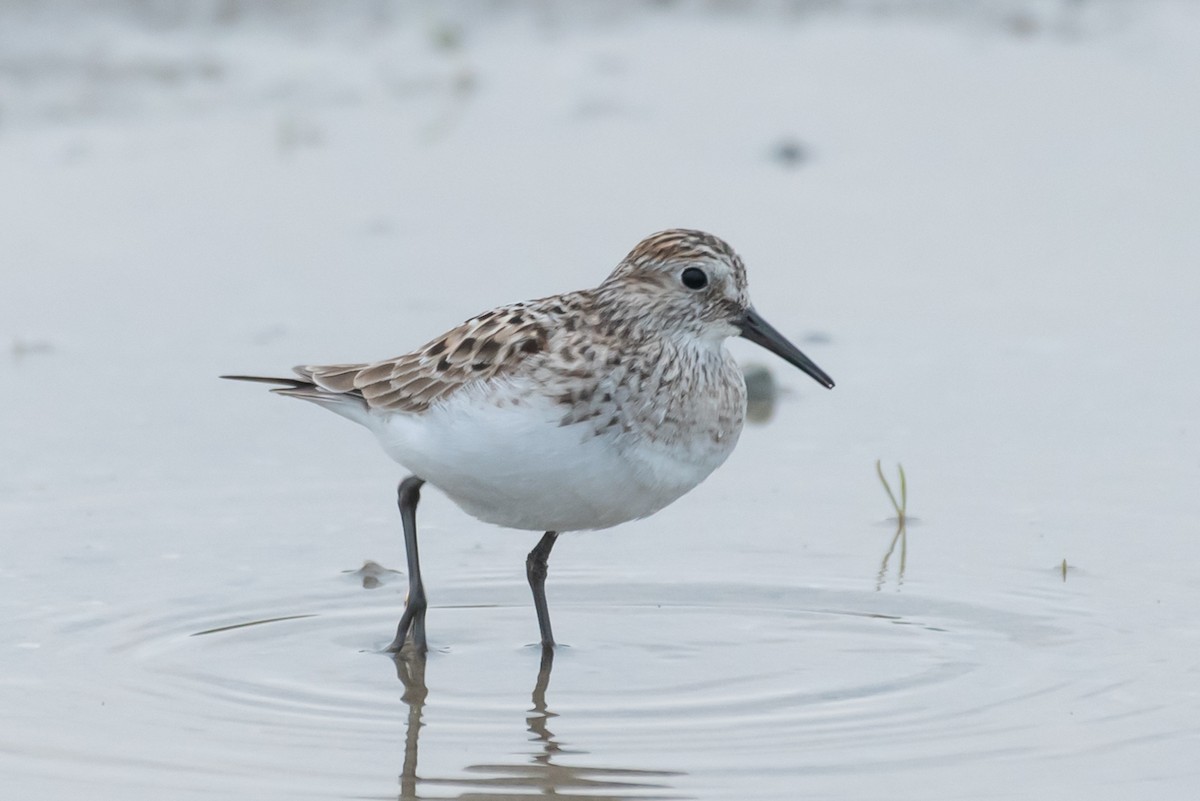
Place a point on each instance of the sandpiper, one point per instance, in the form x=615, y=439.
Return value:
x=574, y=412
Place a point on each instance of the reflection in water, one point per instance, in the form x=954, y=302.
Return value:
x=541, y=777
x=410, y=668
x=901, y=535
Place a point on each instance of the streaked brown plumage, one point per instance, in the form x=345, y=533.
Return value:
x=577, y=411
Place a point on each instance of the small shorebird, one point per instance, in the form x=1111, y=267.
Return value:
x=574, y=412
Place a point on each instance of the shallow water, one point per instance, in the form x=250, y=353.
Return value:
x=993, y=262
x=661, y=690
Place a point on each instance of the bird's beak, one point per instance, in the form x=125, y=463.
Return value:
x=760, y=332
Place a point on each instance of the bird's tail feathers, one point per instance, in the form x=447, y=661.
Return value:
x=347, y=404
x=287, y=383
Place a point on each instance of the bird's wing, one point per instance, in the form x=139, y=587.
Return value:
x=491, y=345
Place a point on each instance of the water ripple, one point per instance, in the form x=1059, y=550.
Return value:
x=659, y=686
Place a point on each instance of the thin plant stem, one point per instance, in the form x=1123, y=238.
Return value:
x=887, y=486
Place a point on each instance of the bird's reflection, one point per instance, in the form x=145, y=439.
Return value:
x=538, y=778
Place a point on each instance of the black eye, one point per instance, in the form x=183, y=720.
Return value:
x=694, y=278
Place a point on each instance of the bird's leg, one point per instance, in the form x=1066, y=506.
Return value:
x=536, y=569
x=413, y=620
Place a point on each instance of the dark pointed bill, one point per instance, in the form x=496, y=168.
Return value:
x=760, y=332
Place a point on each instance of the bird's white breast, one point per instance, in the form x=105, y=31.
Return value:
x=505, y=457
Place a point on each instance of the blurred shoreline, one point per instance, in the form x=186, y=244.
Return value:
x=70, y=60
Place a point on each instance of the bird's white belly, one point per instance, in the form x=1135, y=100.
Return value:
x=516, y=466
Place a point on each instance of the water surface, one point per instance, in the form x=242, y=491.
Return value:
x=989, y=243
